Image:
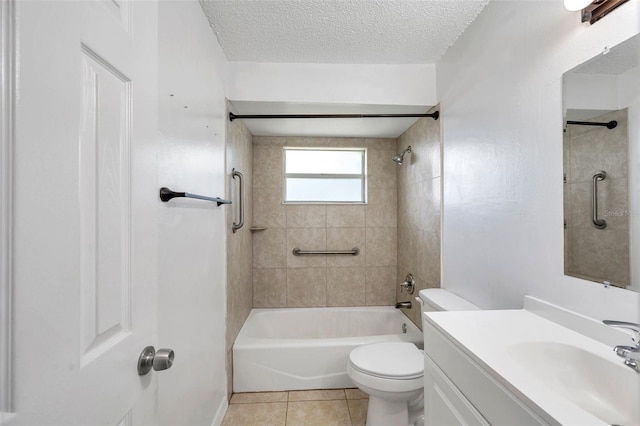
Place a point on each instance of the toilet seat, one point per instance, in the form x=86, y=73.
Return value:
x=388, y=360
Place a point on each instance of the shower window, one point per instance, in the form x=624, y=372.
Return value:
x=331, y=175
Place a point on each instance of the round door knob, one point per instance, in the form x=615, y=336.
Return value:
x=163, y=359
x=159, y=361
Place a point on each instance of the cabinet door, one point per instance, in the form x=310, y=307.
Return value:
x=443, y=402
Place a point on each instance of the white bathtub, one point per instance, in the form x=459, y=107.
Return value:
x=308, y=348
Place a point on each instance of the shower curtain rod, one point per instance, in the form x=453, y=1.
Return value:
x=609, y=125
x=233, y=116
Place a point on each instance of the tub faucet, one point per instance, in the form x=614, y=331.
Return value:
x=406, y=304
x=631, y=354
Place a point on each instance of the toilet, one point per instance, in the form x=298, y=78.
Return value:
x=392, y=373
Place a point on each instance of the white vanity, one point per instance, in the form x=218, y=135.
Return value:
x=537, y=365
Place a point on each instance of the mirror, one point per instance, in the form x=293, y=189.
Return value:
x=601, y=147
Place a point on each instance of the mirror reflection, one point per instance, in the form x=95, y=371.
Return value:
x=601, y=167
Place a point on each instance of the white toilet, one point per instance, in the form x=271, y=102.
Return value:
x=392, y=373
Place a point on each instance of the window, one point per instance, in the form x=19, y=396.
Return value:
x=330, y=175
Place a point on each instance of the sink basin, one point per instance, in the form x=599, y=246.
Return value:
x=603, y=387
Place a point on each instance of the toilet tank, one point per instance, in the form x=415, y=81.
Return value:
x=438, y=299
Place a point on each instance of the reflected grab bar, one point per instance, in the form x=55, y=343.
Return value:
x=240, y=224
x=599, y=223
x=354, y=251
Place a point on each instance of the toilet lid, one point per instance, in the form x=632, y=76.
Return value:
x=400, y=360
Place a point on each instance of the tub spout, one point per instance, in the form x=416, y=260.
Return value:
x=406, y=304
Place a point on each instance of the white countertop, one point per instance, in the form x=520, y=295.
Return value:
x=488, y=337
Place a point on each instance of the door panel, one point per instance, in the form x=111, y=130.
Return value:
x=85, y=206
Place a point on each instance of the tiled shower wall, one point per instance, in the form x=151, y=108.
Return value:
x=283, y=280
x=239, y=249
x=592, y=253
x=419, y=180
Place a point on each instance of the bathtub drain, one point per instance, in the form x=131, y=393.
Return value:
x=404, y=328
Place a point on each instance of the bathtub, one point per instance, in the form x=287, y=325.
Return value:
x=308, y=348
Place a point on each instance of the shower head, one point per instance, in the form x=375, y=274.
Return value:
x=400, y=157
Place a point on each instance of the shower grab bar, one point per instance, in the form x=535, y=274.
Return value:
x=240, y=224
x=166, y=194
x=298, y=252
x=599, y=223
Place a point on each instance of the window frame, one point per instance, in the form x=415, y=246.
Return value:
x=362, y=175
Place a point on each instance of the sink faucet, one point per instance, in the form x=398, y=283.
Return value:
x=631, y=354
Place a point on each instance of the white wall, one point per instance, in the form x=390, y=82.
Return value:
x=333, y=83
x=501, y=95
x=191, y=237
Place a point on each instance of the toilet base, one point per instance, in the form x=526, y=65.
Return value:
x=382, y=412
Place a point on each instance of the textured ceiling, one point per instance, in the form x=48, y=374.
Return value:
x=339, y=31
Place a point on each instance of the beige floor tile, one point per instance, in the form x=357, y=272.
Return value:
x=316, y=395
x=318, y=413
x=356, y=393
x=263, y=414
x=253, y=397
x=358, y=411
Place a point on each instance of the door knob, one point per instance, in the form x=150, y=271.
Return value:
x=149, y=358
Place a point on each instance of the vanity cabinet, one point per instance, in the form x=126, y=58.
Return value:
x=459, y=391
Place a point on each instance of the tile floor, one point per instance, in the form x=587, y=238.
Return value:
x=331, y=407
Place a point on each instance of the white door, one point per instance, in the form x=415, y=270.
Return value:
x=85, y=199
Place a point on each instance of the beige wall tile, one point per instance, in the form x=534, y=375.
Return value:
x=239, y=244
x=380, y=285
x=318, y=413
x=381, y=247
x=346, y=286
x=381, y=170
x=270, y=248
x=270, y=288
x=428, y=258
x=380, y=143
x=382, y=208
x=306, y=239
x=268, y=209
x=419, y=184
x=346, y=239
x=269, y=141
x=345, y=216
x=267, y=168
x=306, y=216
x=319, y=227
x=306, y=287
